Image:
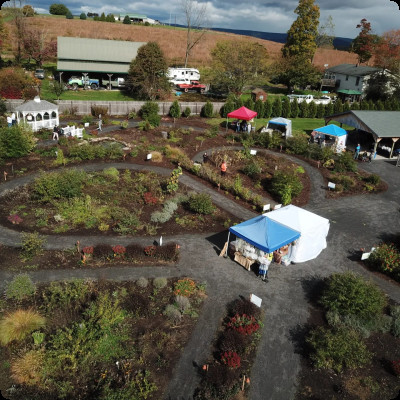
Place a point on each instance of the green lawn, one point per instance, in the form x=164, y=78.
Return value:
x=304, y=125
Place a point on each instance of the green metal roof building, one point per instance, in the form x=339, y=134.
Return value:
x=95, y=55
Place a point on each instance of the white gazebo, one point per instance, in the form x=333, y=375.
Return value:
x=38, y=114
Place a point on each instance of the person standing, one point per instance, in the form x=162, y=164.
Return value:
x=9, y=121
x=205, y=158
x=238, y=126
x=223, y=168
x=13, y=119
x=100, y=122
x=357, y=153
x=56, y=133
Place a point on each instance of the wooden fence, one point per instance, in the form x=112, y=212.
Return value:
x=117, y=108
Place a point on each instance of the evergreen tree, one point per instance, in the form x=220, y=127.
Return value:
x=371, y=105
x=82, y=16
x=277, y=107
x=249, y=103
x=301, y=37
x=329, y=109
x=338, y=106
x=388, y=105
x=228, y=107
x=259, y=108
x=346, y=106
x=379, y=106
x=294, y=109
x=395, y=105
x=69, y=15
x=303, y=109
x=147, y=73
x=207, y=110
x=267, y=108
x=312, y=110
x=286, y=107
x=355, y=105
x=102, y=17
x=320, y=110
x=175, y=110
x=127, y=20
x=363, y=44
x=364, y=105
x=238, y=102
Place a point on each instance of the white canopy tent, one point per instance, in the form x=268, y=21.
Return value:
x=38, y=114
x=281, y=124
x=313, y=231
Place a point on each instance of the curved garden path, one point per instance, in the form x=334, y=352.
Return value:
x=356, y=222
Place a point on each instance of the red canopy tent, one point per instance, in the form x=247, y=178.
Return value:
x=241, y=113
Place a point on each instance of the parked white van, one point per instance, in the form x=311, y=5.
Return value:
x=190, y=74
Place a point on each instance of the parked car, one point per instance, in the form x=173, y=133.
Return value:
x=39, y=73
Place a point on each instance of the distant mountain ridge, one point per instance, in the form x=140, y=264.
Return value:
x=339, y=42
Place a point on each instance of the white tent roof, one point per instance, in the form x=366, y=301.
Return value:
x=283, y=121
x=313, y=231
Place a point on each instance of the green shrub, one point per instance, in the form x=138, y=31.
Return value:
x=349, y=294
x=385, y=258
x=182, y=303
x=160, y=282
x=345, y=162
x=207, y=110
x=112, y=173
x=32, y=244
x=286, y=186
x=17, y=325
x=201, y=203
x=186, y=112
x=373, y=179
x=142, y=282
x=16, y=141
x=252, y=169
x=175, y=110
x=87, y=119
x=297, y=144
x=228, y=107
x=96, y=111
x=337, y=349
x=347, y=182
x=20, y=287
x=149, y=112
x=56, y=185
x=172, y=313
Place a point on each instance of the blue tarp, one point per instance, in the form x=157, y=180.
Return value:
x=332, y=130
x=264, y=233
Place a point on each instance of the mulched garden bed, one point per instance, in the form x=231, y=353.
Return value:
x=135, y=358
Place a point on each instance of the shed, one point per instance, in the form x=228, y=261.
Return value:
x=38, y=114
x=259, y=94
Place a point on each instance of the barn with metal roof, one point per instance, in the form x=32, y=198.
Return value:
x=380, y=124
x=95, y=55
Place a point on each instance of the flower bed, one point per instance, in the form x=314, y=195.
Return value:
x=228, y=371
x=386, y=259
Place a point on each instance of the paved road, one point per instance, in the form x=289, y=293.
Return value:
x=356, y=222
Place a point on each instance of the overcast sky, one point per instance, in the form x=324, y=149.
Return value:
x=256, y=15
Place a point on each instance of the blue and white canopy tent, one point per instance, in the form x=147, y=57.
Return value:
x=334, y=131
x=279, y=123
x=264, y=233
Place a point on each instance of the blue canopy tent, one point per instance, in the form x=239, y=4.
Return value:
x=335, y=131
x=264, y=233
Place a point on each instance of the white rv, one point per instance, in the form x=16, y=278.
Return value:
x=188, y=74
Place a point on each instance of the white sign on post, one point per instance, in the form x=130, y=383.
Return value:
x=255, y=300
x=266, y=207
x=149, y=156
x=86, y=124
x=331, y=185
x=253, y=152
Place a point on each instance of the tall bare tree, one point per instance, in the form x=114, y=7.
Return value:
x=18, y=17
x=196, y=23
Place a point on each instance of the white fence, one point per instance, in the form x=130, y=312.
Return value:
x=117, y=108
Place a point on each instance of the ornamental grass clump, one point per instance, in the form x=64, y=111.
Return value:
x=26, y=370
x=19, y=324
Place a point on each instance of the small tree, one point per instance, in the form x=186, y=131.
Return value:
x=175, y=110
x=82, y=16
x=294, y=109
x=58, y=9
x=329, y=109
x=312, y=110
x=69, y=15
x=249, y=103
x=277, y=107
x=320, y=110
x=303, y=109
x=208, y=110
x=267, y=108
x=57, y=88
x=363, y=44
x=102, y=17
x=286, y=108
x=149, y=112
x=187, y=112
x=228, y=107
x=259, y=108
x=127, y=20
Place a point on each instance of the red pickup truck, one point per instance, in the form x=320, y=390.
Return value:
x=194, y=85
